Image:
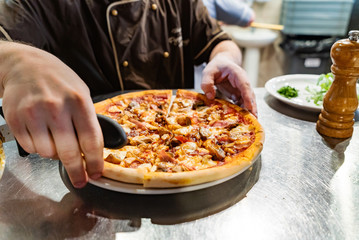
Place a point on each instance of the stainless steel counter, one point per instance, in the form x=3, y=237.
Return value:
x=302, y=187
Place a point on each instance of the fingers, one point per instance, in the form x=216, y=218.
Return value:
x=232, y=81
x=244, y=92
x=19, y=130
x=91, y=142
x=68, y=150
x=43, y=143
x=207, y=84
x=71, y=134
x=79, y=143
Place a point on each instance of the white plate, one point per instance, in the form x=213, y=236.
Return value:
x=299, y=82
x=138, y=189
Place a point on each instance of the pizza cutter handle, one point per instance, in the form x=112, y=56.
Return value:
x=113, y=134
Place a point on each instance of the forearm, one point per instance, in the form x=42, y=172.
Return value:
x=228, y=49
x=13, y=59
x=6, y=60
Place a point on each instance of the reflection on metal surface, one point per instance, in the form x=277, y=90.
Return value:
x=337, y=144
x=167, y=208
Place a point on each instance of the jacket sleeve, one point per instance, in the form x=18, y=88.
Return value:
x=31, y=22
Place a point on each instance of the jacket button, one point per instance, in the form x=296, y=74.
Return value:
x=125, y=63
x=114, y=12
x=166, y=54
x=154, y=7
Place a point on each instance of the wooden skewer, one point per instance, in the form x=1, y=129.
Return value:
x=267, y=26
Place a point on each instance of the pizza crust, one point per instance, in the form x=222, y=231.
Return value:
x=170, y=180
x=121, y=97
x=128, y=175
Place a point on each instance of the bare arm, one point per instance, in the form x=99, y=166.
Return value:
x=225, y=73
x=49, y=110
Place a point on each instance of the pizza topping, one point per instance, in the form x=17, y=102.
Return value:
x=189, y=147
x=177, y=168
x=126, y=129
x=204, y=132
x=112, y=159
x=175, y=141
x=114, y=109
x=184, y=130
x=228, y=123
x=215, y=150
x=163, y=167
x=160, y=118
x=214, y=116
x=140, y=140
x=147, y=166
x=156, y=108
x=184, y=120
x=238, y=131
x=166, y=157
x=182, y=139
x=130, y=160
x=148, y=116
x=197, y=104
x=138, y=124
x=133, y=105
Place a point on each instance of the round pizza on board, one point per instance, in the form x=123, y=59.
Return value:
x=179, y=141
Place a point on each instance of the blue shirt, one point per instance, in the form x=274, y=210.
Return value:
x=235, y=12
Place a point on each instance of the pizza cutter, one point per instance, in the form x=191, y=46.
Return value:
x=113, y=134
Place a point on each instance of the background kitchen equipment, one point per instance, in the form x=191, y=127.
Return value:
x=311, y=27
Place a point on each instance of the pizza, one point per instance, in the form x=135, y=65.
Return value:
x=179, y=140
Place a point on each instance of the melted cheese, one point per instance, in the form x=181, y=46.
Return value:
x=184, y=130
x=113, y=109
x=239, y=131
x=216, y=131
x=189, y=147
x=149, y=116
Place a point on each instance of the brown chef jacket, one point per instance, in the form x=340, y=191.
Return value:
x=118, y=45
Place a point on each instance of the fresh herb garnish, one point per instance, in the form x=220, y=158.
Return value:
x=288, y=92
x=324, y=81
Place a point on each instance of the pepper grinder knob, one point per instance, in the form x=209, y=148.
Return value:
x=340, y=102
x=354, y=35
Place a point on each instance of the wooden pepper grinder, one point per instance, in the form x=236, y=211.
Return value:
x=340, y=102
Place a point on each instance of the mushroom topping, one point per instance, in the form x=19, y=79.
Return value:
x=184, y=120
x=204, y=132
x=215, y=150
x=197, y=104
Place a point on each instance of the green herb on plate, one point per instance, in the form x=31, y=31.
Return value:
x=288, y=92
x=324, y=82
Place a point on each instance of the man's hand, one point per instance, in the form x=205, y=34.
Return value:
x=224, y=73
x=49, y=110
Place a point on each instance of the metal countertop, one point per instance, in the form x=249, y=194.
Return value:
x=302, y=187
